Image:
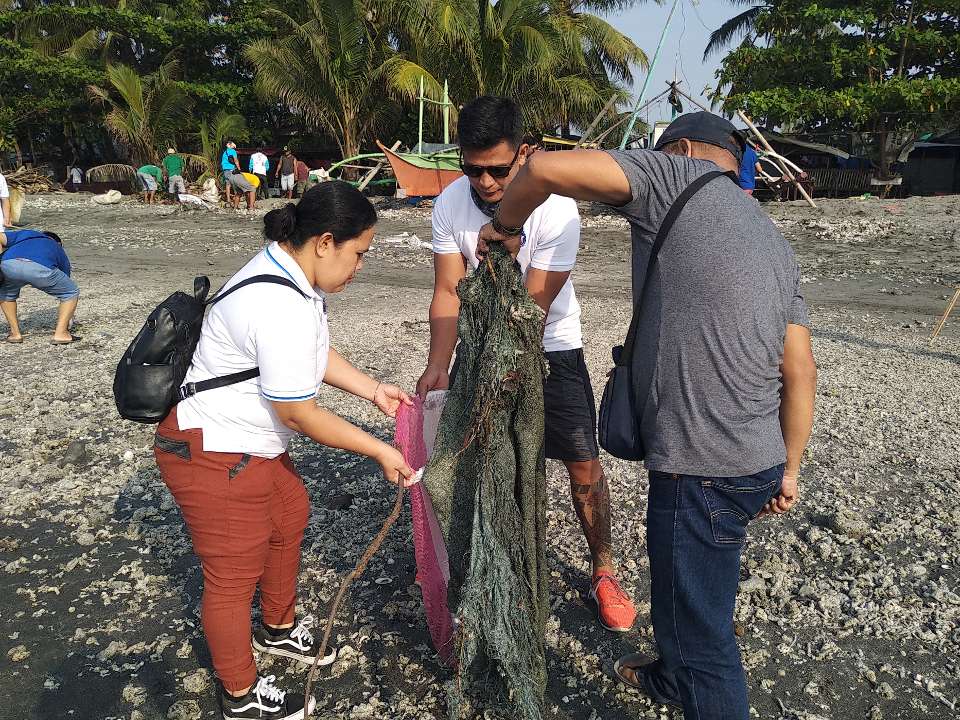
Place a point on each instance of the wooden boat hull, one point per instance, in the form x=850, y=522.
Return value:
x=427, y=178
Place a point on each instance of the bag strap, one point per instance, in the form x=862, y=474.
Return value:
x=665, y=227
x=276, y=279
x=192, y=388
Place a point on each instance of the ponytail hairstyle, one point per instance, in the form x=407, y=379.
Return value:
x=333, y=207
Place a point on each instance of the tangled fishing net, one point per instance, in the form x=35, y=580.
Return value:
x=487, y=485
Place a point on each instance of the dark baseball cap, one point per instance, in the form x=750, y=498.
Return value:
x=707, y=128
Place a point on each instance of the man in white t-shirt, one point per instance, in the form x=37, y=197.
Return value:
x=5, y=218
x=259, y=166
x=490, y=132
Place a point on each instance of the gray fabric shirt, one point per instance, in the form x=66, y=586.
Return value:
x=711, y=331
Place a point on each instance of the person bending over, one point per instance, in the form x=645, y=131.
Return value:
x=35, y=258
x=223, y=452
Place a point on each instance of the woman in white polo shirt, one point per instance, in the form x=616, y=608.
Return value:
x=223, y=455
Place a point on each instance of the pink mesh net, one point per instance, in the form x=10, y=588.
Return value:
x=433, y=572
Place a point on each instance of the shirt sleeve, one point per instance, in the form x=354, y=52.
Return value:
x=443, y=241
x=287, y=347
x=656, y=179
x=558, y=236
x=798, y=313
x=4, y=190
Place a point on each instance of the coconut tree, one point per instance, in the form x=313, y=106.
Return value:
x=334, y=66
x=560, y=63
x=145, y=114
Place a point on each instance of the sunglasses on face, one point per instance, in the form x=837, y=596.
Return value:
x=497, y=172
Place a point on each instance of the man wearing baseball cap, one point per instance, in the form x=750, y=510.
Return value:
x=723, y=378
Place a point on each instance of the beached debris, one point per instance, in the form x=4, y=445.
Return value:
x=31, y=180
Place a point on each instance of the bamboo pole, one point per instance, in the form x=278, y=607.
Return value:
x=596, y=121
x=375, y=169
x=603, y=136
x=946, y=314
x=790, y=176
x=420, y=121
x=643, y=90
x=446, y=114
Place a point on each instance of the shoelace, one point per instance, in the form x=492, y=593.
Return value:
x=621, y=596
x=266, y=689
x=301, y=633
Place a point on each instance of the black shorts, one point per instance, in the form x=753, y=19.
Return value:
x=569, y=412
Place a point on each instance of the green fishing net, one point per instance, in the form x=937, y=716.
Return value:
x=487, y=481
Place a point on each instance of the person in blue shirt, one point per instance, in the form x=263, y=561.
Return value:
x=749, y=167
x=233, y=178
x=32, y=257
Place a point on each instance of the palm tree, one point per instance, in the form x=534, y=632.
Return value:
x=146, y=114
x=212, y=136
x=559, y=63
x=335, y=67
x=740, y=26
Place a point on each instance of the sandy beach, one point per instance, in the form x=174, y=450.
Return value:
x=849, y=606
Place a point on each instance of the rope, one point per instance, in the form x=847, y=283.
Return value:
x=353, y=575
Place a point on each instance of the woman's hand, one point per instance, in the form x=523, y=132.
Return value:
x=389, y=398
x=395, y=468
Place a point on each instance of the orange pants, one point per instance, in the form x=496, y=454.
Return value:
x=246, y=516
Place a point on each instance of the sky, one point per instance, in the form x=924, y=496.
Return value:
x=682, y=52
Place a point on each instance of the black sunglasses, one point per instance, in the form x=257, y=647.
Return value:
x=497, y=172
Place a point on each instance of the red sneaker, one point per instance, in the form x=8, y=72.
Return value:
x=615, y=610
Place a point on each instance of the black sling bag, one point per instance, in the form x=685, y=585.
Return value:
x=620, y=413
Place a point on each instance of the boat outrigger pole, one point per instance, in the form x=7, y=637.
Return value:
x=445, y=104
x=643, y=90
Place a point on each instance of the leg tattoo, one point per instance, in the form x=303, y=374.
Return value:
x=591, y=500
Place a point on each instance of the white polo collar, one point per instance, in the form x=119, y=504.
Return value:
x=283, y=261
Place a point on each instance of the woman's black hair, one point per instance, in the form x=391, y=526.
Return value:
x=333, y=207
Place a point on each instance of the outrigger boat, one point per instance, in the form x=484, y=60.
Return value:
x=422, y=172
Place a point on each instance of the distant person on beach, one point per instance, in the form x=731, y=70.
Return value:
x=749, y=167
x=6, y=219
x=223, y=452
x=35, y=258
x=259, y=165
x=236, y=184
x=490, y=134
x=75, y=177
x=302, y=176
x=150, y=179
x=286, y=171
x=173, y=167
x=724, y=380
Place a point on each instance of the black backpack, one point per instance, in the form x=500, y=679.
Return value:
x=149, y=378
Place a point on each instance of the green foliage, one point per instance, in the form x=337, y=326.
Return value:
x=887, y=68
x=347, y=69
x=146, y=114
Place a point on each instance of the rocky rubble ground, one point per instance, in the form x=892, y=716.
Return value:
x=849, y=606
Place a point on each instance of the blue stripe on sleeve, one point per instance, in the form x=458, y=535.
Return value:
x=289, y=399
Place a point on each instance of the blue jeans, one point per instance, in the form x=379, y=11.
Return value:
x=20, y=271
x=696, y=527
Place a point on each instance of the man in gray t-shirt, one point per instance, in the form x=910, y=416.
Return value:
x=725, y=378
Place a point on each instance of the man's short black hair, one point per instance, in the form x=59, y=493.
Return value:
x=489, y=120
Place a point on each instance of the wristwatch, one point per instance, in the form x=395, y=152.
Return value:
x=503, y=229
